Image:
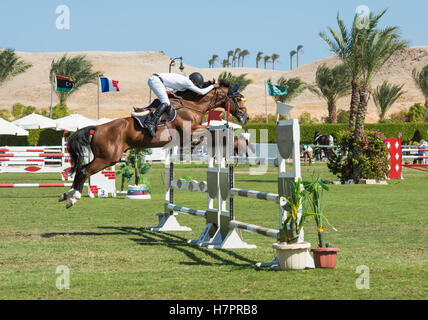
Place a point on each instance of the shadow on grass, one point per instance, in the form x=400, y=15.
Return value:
x=143, y=237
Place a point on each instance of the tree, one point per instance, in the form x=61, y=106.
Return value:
x=214, y=59
x=229, y=54
x=274, y=57
x=228, y=79
x=266, y=60
x=421, y=80
x=78, y=68
x=225, y=63
x=364, y=50
x=11, y=65
x=210, y=63
x=294, y=86
x=385, y=95
x=292, y=53
x=347, y=44
x=332, y=84
x=376, y=50
x=235, y=56
x=243, y=54
x=258, y=58
x=299, y=48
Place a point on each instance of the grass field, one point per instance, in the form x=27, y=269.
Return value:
x=110, y=255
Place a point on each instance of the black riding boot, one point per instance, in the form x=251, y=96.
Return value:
x=153, y=118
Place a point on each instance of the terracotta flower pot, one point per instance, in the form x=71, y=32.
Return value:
x=325, y=257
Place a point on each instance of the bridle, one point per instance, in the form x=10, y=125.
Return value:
x=228, y=97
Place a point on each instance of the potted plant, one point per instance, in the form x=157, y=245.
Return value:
x=292, y=254
x=324, y=255
x=126, y=173
x=136, y=160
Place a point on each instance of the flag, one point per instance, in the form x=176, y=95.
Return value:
x=275, y=90
x=109, y=85
x=63, y=84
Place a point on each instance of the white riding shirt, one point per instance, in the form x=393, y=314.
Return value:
x=173, y=82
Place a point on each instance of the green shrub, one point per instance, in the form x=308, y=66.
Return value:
x=343, y=116
x=373, y=161
x=417, y=113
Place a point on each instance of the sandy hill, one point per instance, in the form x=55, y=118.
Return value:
x=132, y=69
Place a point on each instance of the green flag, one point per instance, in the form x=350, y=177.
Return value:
x=275, y=90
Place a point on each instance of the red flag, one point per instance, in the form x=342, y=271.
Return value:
x=214, y=115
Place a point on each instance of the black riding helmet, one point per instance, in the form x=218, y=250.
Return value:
x=197, y=78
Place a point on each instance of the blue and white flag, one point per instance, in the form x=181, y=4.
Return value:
x=109, y=85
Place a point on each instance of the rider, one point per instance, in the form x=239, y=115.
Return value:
x=163, y=82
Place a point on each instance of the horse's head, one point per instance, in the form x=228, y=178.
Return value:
x=236, y=101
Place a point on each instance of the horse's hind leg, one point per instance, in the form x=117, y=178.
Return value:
x=81, y=176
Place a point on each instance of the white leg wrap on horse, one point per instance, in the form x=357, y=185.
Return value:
x=76, y=195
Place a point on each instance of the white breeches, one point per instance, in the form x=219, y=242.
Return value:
x=159, y=89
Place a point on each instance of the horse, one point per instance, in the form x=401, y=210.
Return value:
x=110, y=140
x=320, y=139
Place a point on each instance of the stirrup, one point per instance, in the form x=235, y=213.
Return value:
x=140, y=114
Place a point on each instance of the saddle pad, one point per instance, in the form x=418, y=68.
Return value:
x=167, y=116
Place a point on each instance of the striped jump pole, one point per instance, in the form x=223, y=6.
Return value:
x=36, y=185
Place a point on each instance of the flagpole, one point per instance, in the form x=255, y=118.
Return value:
x=266, y=103
x=52, y=80
x=98, y=97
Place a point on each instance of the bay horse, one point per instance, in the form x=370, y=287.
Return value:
x=109, y=141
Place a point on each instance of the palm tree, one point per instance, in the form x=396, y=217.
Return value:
x=421, y=80
x=243, y=54
x=292, y=53
x=214, y=59
x=385, y=95
x=11, y=65
x=332, y=84
x=225, y=63
x=274, y=57
x=376, y=50
x=258, y=58
x=229, y=54
x=266, y=60
x=295, y=86
x=236, y=55
x=299, y=48
x=227, y=78
x=210, y=63
x=347, y=44
x=77, y=68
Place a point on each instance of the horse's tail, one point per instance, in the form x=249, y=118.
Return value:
x=77, y=146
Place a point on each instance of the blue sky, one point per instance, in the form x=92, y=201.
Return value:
x=196, y=29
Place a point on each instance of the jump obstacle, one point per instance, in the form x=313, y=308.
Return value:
x=34, y=159
x=221, y=230
x=20, y=159
x=396, y=156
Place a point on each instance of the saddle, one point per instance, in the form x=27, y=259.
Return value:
x=142, y=114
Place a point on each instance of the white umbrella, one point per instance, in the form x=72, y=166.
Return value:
x=8, y=128
x=35, y=121
x=74, y=122
x=214, y=123
x=103, y=120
